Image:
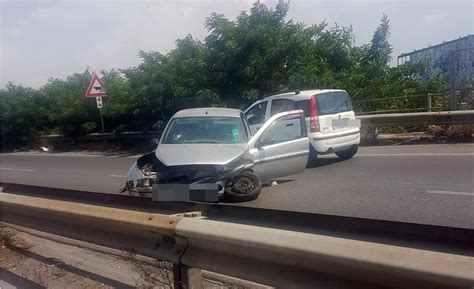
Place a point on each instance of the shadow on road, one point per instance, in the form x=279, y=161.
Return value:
x=59, y=264
x=321, y=162
x=17, y=281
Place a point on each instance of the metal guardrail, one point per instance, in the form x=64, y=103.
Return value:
x=131, y=135
x=452, y=100
x=419, y=118
x=276, y=254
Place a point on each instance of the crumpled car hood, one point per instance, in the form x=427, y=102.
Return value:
x=198, y=154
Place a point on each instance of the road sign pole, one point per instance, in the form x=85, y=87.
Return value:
x=101, y=119
x=96, y=89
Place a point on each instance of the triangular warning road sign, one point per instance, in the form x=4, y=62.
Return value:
x=96, y=87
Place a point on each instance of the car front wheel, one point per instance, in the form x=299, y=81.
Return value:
x=349, y=153
x=244, y=187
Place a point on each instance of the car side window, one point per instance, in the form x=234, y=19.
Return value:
x=304, y=105
x=284, y=129
x=256, y=114
x=281, y=105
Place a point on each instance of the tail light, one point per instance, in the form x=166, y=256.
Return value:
x=314, y=119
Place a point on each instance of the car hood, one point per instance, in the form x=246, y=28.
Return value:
x=198, y=154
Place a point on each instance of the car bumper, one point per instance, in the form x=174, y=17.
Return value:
x=333, y=142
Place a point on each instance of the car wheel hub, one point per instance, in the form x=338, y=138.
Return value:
x=243, y=185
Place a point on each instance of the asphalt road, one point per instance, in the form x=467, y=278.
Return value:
x=429, y=184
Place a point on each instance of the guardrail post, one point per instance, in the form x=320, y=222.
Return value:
x=186, y=277
x=428, y=102
x=369, y=134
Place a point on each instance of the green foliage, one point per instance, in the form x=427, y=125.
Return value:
x=67, y=108
x=22, y=112
x=88, y=127
x=240, y=60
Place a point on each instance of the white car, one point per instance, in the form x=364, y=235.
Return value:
x=330, y=119
x=208, y=154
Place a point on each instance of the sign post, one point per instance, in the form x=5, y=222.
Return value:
x=96, y=89
x=99, y=107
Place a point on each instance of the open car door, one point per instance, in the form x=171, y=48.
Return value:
x=256, y=115
x=280, y=147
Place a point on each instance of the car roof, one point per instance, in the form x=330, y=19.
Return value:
x=209, y=111
x=303, y=94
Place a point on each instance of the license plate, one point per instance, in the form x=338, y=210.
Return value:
x=336, y=123
x=345, y=122
x=185, y=192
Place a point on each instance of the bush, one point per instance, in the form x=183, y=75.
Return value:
x=88, y=127
x=458, y=130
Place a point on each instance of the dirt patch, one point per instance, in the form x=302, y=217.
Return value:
x=159, y=274
x=32, y=260
x=9, y=258
x=460, y=131
x=19, y=270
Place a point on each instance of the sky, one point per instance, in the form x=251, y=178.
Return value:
x=43, y=39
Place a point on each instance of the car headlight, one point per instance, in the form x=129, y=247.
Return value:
x=134, y=173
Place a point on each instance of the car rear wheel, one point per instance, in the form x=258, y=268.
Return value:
x=312, y=157
x=349, y=153
x=242, y=188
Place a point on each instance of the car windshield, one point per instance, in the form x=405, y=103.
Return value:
x=192, y=130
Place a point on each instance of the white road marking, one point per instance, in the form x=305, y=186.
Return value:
x=416, y=155
x=18, y=170
x=450, y=193
x=69, y=155
x=117, y=176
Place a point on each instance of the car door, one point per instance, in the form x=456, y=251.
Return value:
x=280, y=148
x=256, y=115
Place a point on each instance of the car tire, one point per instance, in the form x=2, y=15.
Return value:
x=233, y=195
x=349, y=153
x=312, y=157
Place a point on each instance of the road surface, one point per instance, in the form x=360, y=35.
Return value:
x=429, y=184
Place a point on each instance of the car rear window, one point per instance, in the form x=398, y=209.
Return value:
x=328, y=103
x=333, y=102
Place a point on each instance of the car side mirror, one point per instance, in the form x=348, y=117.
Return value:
x=155, y=141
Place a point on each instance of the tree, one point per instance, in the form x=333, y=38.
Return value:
x=22, y=113
x=68, y=109
x=240, y=60
x=378, y=54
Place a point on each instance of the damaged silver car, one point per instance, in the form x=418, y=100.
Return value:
x=209, y=154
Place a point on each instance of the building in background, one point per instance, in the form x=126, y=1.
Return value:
x=438, y=57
